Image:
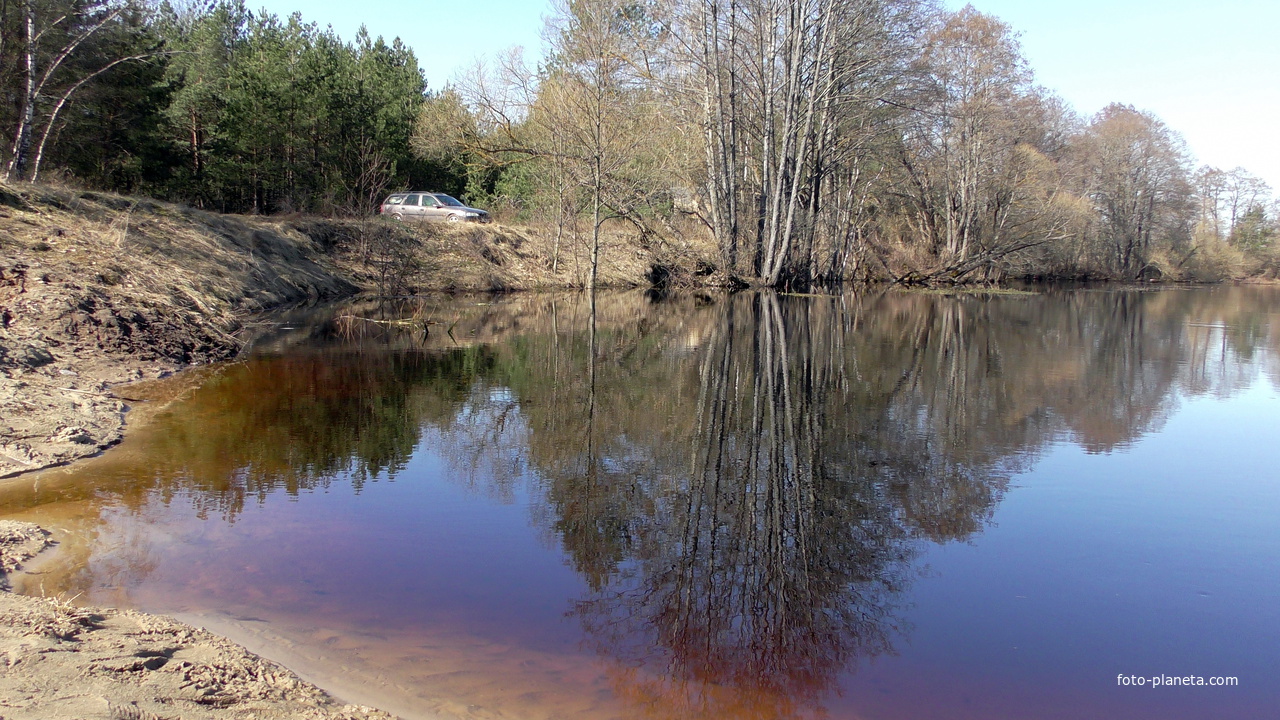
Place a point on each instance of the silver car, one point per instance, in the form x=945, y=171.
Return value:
x=436, y=207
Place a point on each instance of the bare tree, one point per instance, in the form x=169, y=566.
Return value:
x=1243, y=193
x=1139, y=183
x=1210, y=182
x=786, y=94
x=976, y=152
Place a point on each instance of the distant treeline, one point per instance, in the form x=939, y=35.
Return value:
x=779, y=142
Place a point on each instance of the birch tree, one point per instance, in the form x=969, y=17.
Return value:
x=52, y=33
x=786, y=92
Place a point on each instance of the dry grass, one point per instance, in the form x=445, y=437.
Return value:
x=467, y=257
x=162, y=256
x=163, y=281
x=141, y=277
x=97, y=289
x=1211, y=261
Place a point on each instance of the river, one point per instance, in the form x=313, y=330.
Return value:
x=871, y=505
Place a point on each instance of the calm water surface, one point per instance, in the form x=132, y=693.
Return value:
x=878, y=505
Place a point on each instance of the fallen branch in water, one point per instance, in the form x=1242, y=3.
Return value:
x=401, y=323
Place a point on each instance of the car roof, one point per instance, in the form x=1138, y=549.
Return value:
x=406, y=193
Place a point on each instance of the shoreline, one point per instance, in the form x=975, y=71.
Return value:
x=68, y=662
x=312, y=691
x=101, y=296
x=338, y=679
x=110, y=315
x=99, y=290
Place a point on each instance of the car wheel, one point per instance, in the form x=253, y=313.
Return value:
x=454, y=218
x=397, y=217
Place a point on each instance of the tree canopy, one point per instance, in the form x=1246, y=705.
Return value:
x=767, y=142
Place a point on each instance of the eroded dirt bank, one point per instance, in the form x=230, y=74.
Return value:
x=97, y=290
x=61, y=662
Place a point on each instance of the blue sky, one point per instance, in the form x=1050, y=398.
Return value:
x=1210, y=70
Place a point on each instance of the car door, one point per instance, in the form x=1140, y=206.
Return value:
x=433, y=209
x=412, y=207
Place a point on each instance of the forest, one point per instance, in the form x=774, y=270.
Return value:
x=761, y=142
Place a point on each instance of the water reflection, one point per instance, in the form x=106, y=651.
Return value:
x=742, y=483
x=753, y=551
x=286, y=424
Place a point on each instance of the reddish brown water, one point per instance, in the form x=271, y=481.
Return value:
x=872, y=506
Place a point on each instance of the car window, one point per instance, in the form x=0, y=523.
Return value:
x=411, y=200
x=451, y=202
x=395, y=199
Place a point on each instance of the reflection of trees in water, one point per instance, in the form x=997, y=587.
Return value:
x=743, y=482
x=758, y=539
x=749, y=519
x=956, y=381
x=753, y=565
x=288, y=424
x=1100, y=368
x=1227, y=333
x=298, y=423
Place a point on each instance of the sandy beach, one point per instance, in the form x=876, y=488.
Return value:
x=64, y=662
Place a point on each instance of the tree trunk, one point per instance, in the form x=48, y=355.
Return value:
x=595, y=230
x=22, y=137
x=35, y=88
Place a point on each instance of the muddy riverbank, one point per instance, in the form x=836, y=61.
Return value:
x=97, y=290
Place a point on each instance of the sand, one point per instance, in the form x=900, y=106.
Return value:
x=59, y=661
x=96, y=291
